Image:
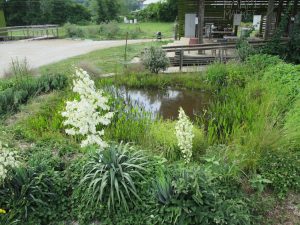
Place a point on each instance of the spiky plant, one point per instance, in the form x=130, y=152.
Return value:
x=110, y=177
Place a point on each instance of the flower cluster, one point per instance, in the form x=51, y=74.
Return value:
x=83, y=116
x=7, y=160
x=184, y=134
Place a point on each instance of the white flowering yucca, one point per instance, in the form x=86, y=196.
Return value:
x=185, y=135
x=7, y=160
x=84, y=115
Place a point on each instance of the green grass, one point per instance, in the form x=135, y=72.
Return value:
x=111, y=31
x=99, y=62
x=193, y=81
x=119, y=30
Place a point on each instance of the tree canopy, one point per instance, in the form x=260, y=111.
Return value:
x=28, y=12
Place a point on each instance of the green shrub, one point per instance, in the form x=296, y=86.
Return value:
x=110, y=30
x=237, y=74
x=111, y=176
x=244, y=49
x=155, y=59
x=282, y=168
x=189, y=196
x=261, y=62
x=36, y=195
x=285, y=74
x=12, y=98
x=74, y=31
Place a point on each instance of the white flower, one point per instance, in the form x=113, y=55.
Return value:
x=83, y=116
x=184, y=134
x=7, y=161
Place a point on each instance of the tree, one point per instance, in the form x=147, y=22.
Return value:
x=104, y=10
x=127, y=6
x=161, y=11
x=29, y=12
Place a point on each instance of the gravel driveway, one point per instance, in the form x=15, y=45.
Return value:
x=43, y=52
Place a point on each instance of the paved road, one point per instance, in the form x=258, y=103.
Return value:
x=43, y=52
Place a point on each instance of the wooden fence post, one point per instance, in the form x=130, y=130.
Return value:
x=181, y=60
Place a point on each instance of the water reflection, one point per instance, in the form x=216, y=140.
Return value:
x=167, y=102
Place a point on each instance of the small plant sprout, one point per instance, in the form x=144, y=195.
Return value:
x=185, y=135
x=84, y=116
x=7, y=161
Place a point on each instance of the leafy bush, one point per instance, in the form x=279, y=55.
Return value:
x=155, y=59
x=188, y=196
x=110, y=30
x=260, y=62
x=287, y=75
x=74, y=31
x=282, y=168
x=36, y=195
x=244, y=49
x=111, y=176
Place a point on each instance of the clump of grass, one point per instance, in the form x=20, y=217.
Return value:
x=19, y=69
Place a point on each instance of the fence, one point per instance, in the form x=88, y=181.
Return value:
x=219, y=53
x=26, y=32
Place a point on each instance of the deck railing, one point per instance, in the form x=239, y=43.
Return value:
x=219, y=52
x=26, y=32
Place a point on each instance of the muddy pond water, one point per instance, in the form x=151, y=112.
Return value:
x=166, y=103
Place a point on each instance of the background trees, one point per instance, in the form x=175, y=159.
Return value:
x=165, y=11
x=29, y=12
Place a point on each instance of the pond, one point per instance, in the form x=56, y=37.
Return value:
x=166, y=103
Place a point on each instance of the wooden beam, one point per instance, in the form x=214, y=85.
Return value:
x=295, y=8
x=201, y=21
x=271, y=4
x=279, y=12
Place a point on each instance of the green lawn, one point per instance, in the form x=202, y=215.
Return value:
x=99, y=62
x=110, y=31
x=118, y=31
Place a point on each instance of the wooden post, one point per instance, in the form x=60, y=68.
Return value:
x=201, y=21
x=125, y=56
x=279, y=11
x=271, y=5
x=295, y=8
x=181, y=60
x=236, y=28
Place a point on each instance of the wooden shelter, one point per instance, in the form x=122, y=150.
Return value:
x=222, y=13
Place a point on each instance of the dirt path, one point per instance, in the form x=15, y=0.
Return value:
x=43, y=52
